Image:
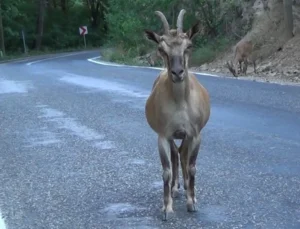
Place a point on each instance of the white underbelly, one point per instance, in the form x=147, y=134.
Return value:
x=179, y=122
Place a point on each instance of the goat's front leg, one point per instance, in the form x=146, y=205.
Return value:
x=245, y=66
x=175, y=169
x=254, y=66
x=235, y=68
x=240, y=67
x=193, y=148
x=165, y=157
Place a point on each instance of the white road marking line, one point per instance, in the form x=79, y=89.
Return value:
x=136, y=161
x=2, y=223
x=104, y=85
x=133, y=66
x=197, y=73
x=62, y=121
x=105, y=145
x=70, y=124
x=10, y=86
x=41, y=137
x=52, y=58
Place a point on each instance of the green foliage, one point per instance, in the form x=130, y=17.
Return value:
x=208, y=51
x=127, y=20
x=116, y=23
x=60, y=30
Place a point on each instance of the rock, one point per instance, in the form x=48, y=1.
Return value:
x=266, y=68
x=204, y=67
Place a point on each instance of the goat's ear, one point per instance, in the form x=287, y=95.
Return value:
x=152, y=36
x=192, y=32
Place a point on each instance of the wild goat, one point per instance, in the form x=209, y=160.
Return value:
x=153, y=58
x=243, y=54
x=177, y=108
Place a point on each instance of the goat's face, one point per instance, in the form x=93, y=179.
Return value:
x=174, y=46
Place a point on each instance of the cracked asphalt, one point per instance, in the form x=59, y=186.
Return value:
x=76, y=151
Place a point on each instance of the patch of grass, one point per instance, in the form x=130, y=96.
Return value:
x=119, y=55
x=202, y=54
x=106, y=53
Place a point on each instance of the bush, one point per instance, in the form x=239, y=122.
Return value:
x=209, y=51
x=61, y=30
x=126, y=22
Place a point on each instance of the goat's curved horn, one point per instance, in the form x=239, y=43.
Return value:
x=180, y=20
x=164, y=21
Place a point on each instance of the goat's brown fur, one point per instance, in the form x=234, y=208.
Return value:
x=153, y=58
x=243, y=54
x=177, y=108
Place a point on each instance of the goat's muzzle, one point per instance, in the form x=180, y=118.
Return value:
x=177, y=75
x=177, y=69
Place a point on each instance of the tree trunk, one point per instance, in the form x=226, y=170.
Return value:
x=63, y=6
x=95, y=6
x=40, y=24
x=2, y=45
x=288, y=18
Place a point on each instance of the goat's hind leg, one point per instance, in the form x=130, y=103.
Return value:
x=175, y=169
x=254, y=66
x=165, y=157
x=245, y=67
x=240, y=67
x=193, y=148
x=183, y=160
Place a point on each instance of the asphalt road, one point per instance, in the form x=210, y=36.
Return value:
x=76, y=151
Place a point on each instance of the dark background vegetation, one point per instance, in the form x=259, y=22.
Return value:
x=53, y=25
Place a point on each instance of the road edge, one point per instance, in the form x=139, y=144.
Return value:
x=43, y=56
x=224, y=76
x=56, y=57
x=135, y=66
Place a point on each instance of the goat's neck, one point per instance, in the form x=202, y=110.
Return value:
x=180, y=91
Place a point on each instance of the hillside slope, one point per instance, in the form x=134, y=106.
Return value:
x=277, y=58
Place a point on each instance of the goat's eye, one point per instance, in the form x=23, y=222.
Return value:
x=188, y=49
x=161, y=50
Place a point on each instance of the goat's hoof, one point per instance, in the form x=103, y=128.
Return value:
x=175, y=193
x=166, y=215
x=167, y=212
x=185, y=186
x=191, y=207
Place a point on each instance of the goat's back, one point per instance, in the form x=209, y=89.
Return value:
x=244, y=47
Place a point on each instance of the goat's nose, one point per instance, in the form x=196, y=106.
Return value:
x=177, y=71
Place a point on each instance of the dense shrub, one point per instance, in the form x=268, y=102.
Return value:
x=119, y=24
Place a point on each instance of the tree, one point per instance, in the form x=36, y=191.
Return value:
x=97, y=8
x=54, y=4
x=2, y=45
x=40, y=24
x=63, y=5
x=288, y=18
